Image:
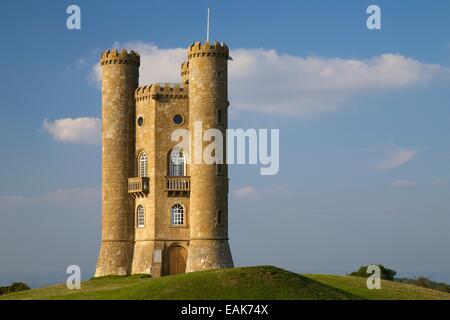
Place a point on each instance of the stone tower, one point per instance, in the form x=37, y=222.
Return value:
x=162, y=214
x=120, y=73
x=208, y=103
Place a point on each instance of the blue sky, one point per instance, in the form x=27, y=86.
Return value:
x=364, y=151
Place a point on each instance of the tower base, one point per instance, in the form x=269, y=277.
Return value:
x=115, y=258
x=209, y=254
x=147, y=258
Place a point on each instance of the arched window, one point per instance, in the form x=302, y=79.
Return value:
x=143, y=165
x=140, y=216
x=176, y=163
x=177, y=214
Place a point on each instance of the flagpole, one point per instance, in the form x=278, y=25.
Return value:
x=207, y=25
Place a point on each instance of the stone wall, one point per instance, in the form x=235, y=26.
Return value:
x=158, y=104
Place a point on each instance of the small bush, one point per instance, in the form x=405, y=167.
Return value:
x=426, y=283
x=15, y=287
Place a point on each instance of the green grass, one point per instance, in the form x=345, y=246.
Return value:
x=263, y=282
x=389, y=290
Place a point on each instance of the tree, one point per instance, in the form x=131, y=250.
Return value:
x=15, y=287
x=386, y=274
x=426, y=283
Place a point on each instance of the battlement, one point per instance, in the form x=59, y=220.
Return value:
x=206, y=49
x=120, y=57
x=158, y=90
x=185, y=68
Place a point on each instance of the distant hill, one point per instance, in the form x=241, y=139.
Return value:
x=262, y=282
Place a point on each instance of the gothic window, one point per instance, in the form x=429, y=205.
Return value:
x=176, y=163
x=177, y=214
x=140, y=216
x=143, y=165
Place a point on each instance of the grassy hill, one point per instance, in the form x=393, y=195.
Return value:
x=263, y=282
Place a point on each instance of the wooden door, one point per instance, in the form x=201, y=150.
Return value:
x=177, y=261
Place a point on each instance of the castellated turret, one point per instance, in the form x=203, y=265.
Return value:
x=208, y=103
x=120, y=74
x=185, y=72
x=162, y=214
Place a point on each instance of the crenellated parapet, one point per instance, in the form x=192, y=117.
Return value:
x=120, y=57
x=185, y=68
x=206, y=49
x=185, y=72
x=166, y=90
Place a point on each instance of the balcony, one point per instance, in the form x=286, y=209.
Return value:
x=138, y=187
x=178, y=186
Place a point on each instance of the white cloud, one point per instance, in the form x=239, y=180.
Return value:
x=75, y=130
x=157, y=65
x=94, y=77
x=275, y=191
x=245, y=192
x=267, y=81
x=396, y=157
x=76, y=195
x=403, y=184
x=439, y=181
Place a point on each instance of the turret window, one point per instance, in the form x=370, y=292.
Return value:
x=177, y=214
x=219, y=116
x=176, y=163
x=178, y=119
x=140, y=216
x=220, y=169
x=219, y=217
x=140, y=121
x=143, y=165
